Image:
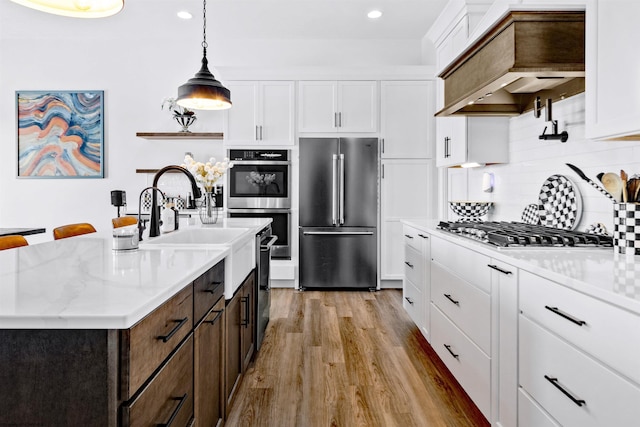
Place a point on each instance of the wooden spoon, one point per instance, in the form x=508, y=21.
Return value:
x=613, y=184
x=633, y=190
x=623, y=178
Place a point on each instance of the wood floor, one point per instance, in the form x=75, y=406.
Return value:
x=347, y=359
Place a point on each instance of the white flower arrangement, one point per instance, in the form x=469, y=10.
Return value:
x=177, y=110
x=208, y=173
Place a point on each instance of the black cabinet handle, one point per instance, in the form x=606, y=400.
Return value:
x=181, y=323
x=555, y=383
x=423, y=236
x=565, y=315
x=212, y=290
x=408, y=236
x=495, y=267
x=448, y=347
x=215, y=319
x=409, y=300
x=409, y=264
x=175, y=411
x=448, y=296
x=244, y=322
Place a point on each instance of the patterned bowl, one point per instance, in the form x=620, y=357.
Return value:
x=470, y=209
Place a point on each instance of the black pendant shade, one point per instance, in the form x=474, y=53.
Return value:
x=204, y=92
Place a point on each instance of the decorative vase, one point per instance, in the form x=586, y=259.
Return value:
x=185, y=120
x=207, y=210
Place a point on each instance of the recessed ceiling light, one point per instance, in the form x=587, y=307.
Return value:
x=184, y=14
x=374, y=14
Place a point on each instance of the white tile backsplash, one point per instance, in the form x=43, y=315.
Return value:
x=531, y=161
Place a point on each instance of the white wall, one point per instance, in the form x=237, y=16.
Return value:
x=532, y=161
x=136, y=73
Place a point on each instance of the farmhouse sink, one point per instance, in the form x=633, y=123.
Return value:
x=200, y=236
x=241, y=242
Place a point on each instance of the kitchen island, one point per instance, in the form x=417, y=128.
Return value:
x=528, y=332
x=95, y=337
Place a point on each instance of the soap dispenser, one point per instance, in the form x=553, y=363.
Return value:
x=168, y=218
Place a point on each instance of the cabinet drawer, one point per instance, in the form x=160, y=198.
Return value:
x=572, y=387
x=610, y=334
x=414, y=266
x=467, y=306
x=465, y=360
x=530, y=414
x=207, y=289
x=168, y=397
x=413, y=301
x=465, y=263
x=151, y=340
x=414, y=237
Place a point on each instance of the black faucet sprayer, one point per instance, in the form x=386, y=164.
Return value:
x=154, y=223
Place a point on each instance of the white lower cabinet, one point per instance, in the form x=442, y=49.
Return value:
x=530, y=414
x=466, y=361
x=416, y=284
x=572, y=387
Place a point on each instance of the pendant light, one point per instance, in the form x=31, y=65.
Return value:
x=204, y=92
x=75, y=8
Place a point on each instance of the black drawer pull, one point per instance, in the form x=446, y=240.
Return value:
x=215, y=319
x=448, y=296
x=448, y=347
x=495, y=267
x=180, y=324
x=245, y=322
x=409, y=264
x=565, y=315
x=175, y=411
x=409, y=300
x=212, y=290
x=555, y=383
x=423, y=236
x=408, y=236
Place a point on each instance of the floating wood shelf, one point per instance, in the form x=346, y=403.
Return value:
x=180, y=135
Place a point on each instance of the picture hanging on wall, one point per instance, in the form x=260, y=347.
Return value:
x=60, y=134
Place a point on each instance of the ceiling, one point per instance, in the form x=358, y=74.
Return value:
x=245, y=19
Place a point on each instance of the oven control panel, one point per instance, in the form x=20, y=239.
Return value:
x=276, y=155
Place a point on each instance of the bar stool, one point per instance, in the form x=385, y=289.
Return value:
x=12, y=241
x=124, y=221
x=71, y=230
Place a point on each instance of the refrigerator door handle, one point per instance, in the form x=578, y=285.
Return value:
x=341, y=205
x=337, y=233
x=334, y=189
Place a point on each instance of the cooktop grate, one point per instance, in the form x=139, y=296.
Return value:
x=522, y=235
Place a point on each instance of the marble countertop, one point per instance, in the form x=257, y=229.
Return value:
x=82, y=283
x=597, y=272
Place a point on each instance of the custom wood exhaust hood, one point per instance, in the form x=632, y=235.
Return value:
x=527, y=54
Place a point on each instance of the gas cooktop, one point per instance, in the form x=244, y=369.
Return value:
x=521, y=235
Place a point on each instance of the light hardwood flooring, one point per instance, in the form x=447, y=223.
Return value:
x=347, y=359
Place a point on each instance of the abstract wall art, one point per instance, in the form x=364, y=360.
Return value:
x=60, y=134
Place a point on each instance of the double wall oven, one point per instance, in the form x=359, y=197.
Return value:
x=260, y=187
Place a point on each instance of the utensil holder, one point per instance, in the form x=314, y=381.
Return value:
x=626, y=228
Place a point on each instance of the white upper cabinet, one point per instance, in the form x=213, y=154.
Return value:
x=612, y=70
x=406, y=119
x=262, y=113
x=470, y=140
x=338, y=106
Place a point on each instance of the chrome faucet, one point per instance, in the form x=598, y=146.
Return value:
x=141, y=226
x=154, y=223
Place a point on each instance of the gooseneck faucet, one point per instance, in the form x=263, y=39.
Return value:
x=154, y=223
x=141, y=226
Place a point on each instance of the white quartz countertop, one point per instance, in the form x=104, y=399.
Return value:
x=597, y=272
x=82, y=283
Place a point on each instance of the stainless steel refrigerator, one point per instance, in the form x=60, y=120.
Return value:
x=339, y=213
